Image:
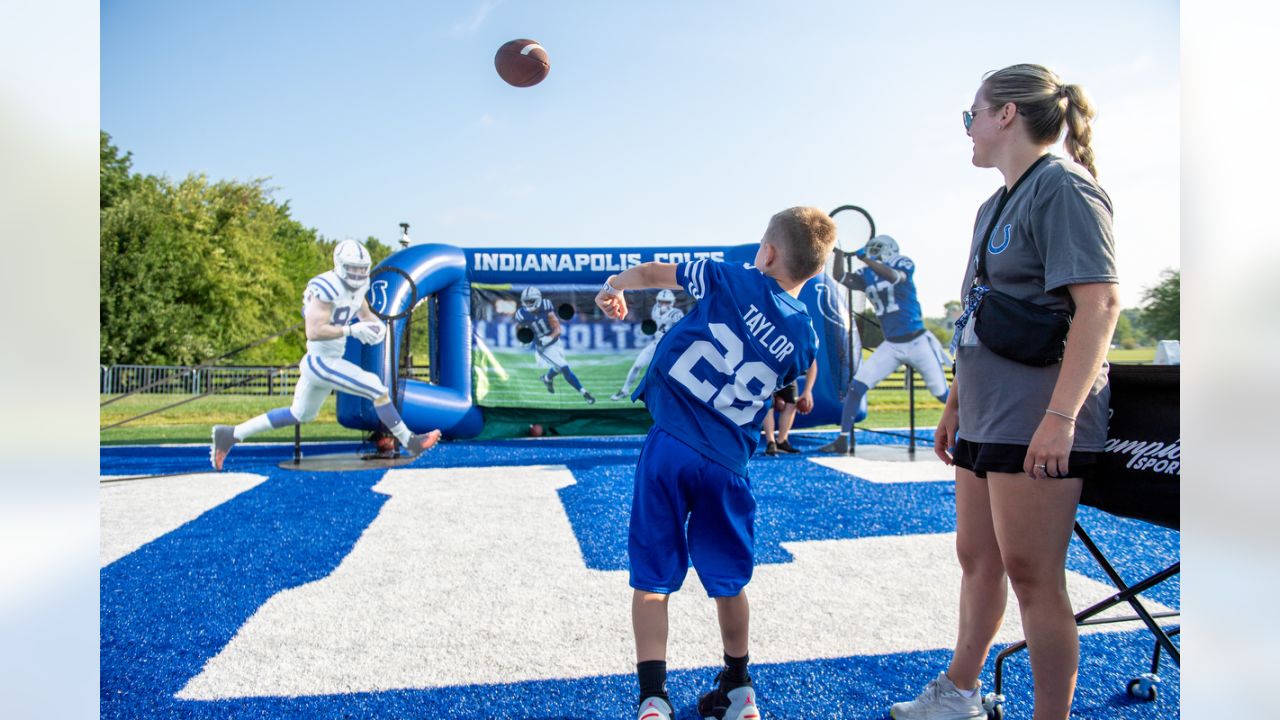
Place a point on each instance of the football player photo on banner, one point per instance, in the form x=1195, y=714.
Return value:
x=547, y=346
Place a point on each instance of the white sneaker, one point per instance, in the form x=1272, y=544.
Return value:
x=420, y=443
x=224, y=437
x=940, y=700
x=654, y=708
x=737, y=704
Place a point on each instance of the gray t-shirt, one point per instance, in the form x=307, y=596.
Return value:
x=1055, y=231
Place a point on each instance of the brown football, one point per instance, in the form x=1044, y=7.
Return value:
x=522, y=63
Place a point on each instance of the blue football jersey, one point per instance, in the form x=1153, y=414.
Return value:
x=894, y=303
x=539, y=318
x=713, y=372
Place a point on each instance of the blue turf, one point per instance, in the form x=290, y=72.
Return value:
x=174, y=603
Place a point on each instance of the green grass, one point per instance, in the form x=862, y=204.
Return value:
x=602, y=375
x=890, y=408
x=191, y=422
x=1136, y=355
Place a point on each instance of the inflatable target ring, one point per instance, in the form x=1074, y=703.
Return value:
x=379, y=299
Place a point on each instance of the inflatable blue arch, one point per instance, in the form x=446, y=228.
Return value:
x=452, y=275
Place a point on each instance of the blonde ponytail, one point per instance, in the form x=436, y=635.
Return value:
x=1046, y=105
x=1080, y=112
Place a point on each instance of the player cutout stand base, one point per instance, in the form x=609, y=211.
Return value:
x=892, y=453
x=339, y=462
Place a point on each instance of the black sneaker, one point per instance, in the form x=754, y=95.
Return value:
x=736, y=704
x=550, y=383
x=785, y=446
x=772, y=449
x=591, y=400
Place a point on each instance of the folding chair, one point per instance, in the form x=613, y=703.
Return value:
x=1138, y=477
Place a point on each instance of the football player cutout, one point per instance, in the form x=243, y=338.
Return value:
x=537, y=314
x=664, y=315
x=330, y=302
x=890, y=287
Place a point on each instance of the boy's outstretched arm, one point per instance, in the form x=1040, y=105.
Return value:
x=638, y=277
x=805, y=403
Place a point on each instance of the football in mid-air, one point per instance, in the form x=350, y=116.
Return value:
x=522, y=63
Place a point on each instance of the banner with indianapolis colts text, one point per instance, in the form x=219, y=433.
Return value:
x=541, y=342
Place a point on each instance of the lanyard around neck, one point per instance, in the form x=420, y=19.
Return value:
x=1005, y=195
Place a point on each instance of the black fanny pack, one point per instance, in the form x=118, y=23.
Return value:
x=1021, y=330
x=1011, y=327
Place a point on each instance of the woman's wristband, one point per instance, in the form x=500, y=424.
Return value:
x=610, y=289
x=1051, y=411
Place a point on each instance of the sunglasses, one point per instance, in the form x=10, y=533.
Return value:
x=969, y=114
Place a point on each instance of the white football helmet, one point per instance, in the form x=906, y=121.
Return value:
x=882, y=248
x=351, y=263
x=531, y=297
x=666, y=299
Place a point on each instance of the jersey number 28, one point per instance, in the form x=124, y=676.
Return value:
x=728, y=362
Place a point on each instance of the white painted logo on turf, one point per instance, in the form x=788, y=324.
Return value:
x=474, y=576
x=890, y=464
x=136, y=512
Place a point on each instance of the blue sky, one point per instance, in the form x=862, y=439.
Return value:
x=660, y=123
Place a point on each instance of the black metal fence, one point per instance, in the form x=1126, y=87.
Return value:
x=269, y=380
x=188, y=380
x=898, y=381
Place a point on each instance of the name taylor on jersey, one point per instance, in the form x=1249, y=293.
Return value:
x=780, y=346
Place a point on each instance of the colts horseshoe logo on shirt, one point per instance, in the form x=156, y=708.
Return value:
x=995, y=249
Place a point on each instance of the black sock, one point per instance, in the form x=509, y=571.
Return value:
x=735, y=673
x=653, y=679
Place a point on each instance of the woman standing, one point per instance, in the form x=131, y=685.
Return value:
x=1023, y=427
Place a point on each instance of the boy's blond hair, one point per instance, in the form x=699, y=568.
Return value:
x=805, y=236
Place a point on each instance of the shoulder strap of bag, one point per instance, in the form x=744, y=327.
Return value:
x=1005, y=195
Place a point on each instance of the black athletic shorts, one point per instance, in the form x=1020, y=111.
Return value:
x=982, y=458
x=787, y=394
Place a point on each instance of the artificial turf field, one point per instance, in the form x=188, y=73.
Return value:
x=488, y=579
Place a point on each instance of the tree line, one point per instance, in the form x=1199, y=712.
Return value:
x=192, y=269
x=1160, y=317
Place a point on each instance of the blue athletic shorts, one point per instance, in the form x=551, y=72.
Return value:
x=688, y=507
